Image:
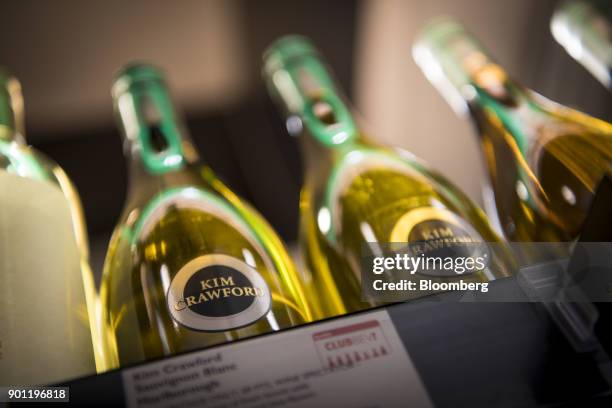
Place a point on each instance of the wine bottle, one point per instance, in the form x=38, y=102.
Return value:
x=358, y=195
x=190, y=264
x=47, y=293
x=544, y=160
x=584, y=29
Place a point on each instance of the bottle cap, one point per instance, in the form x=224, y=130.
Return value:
x=281, y=52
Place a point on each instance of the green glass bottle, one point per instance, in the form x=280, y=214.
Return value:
x=584, y=29
x=357, y=194
x=47, y=292
x=544, y=160
x=190, y=264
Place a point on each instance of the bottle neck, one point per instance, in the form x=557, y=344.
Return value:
x=143, y=184
x=155, y=142
x=11, y=108
x=584, y=29
x=314, y=110
x=462, y=71
x=474, y=84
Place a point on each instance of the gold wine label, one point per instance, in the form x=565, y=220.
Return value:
x=433, y=224
x=438, y=233
x=218, y=293
x=212, y=291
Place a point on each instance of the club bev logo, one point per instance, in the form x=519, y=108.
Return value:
x=217, y=293
x=353, y=344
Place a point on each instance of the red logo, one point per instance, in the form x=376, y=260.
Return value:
x=350, y=345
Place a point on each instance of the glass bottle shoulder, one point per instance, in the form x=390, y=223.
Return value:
x=534, y=119
x=25, y=161
x=380, y=184
x=22, y=160
x=187, y=205
x=386, y=162
x=148, y=193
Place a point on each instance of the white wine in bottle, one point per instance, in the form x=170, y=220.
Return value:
x=47, y=293
x=544, y=160
x=358, y=196
x=584, y=29
x=190, y=265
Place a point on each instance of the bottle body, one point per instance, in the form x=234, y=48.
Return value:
x=44, y=257
x=190, y=266
x=359, y=197
x=376, y=197
x=544, y=160
x=544, y=179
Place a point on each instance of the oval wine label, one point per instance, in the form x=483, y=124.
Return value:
x=438, y=233
x=218, y=293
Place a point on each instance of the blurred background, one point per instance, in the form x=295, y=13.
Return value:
x=66, y=53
